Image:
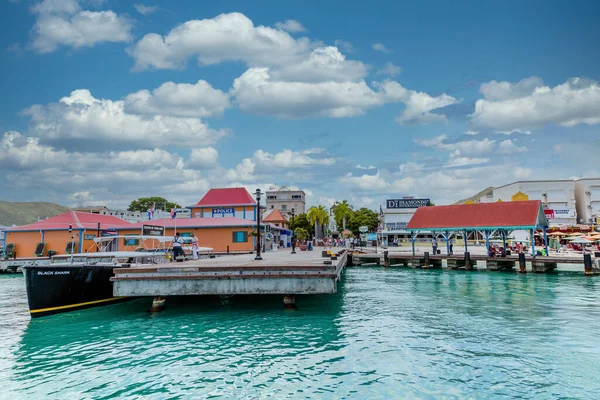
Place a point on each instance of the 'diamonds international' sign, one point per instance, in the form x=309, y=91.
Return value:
x=407, y=203
x=152, y=230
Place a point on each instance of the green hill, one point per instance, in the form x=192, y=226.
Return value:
x=27, y=212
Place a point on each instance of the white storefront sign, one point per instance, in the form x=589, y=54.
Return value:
x=564, y=213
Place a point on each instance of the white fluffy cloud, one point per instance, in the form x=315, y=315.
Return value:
x=291, y=25
x=204, y=157
x=64, y=23
x=529, y=104
x=81, y=116
x=365, y=182
x=418, y=104
x=179, y=99
x=257, y=93
x=144, y=9
x=390, y=69
x=227, y=37
x=380, y=47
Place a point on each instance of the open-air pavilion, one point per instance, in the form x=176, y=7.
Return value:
x=489, y=219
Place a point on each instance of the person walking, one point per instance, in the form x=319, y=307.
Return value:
x=434, y=244
x=194, y=246
x=178, y=246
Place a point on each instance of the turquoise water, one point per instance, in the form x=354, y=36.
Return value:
x=388, y=333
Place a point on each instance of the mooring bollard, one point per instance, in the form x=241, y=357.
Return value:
x=522, y=264
x=468, y=265
x=227, y=249
x=386, y=260
x=426, y=254
x=158, y=303
x=587, y=264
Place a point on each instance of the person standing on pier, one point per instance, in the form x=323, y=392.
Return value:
x=177, y=246
x=194, y=246
x=434, y=244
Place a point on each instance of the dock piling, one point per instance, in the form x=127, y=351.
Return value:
x=468, y=265
x=289, y=302
x=426, y=263
x=587, y=264
x=386, y=260
x=522, y=265
x=158, y=304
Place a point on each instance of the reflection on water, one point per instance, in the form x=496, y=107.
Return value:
x=388, y=333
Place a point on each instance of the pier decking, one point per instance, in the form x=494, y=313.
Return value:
x=278, y=273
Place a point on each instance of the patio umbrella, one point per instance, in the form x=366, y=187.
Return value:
x=571, y=238
x=581, y=240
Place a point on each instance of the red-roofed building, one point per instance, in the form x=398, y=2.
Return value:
x=513, y=215
x=225, y=202
x=276, y=218
x=55, y=232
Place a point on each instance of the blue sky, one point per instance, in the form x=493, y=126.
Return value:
x=117, y=100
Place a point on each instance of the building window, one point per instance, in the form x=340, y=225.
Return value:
x=296, y=196
x=271, y=197
x=272, y=206
x=131, y=242
x=240, y=237
x=296, y=206
x=196, y=215
x=284, y=207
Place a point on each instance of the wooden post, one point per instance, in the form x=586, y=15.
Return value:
x=386, y=260
x=546, y=241
x=466, y=244
x=487, y=242
x=158, y=304
x=532, y=242
x=447, y=243
x=289, y=302
x=468, y=265
x=522, y=264
x=426, y=266
x=587, y=264
x=412, y=238
x=504, y=240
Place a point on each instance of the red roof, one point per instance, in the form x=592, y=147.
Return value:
x=510, y=214
x=275, y=216
x=226, y=197
x=77, y=219
x=191, y=223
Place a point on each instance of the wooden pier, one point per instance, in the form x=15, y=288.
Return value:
x=278, y=273
x=472, y=261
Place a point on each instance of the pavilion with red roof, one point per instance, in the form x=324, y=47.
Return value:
x=276, y=218
x=501, y=217
x=54, y=232
x=225, y=202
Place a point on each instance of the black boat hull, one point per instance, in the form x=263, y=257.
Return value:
x=58, y=289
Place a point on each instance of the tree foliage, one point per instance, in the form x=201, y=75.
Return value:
x=301, y=233
x=342, y=212
x=364, y=216
x=301, y=221
x=318, y=216
x=144, y=203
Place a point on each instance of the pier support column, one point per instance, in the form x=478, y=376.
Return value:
x=587, y=264
x=468, y=265
x=289, y=302
x=386, y=260
x=426, y=263
x=158, y=303
x=522, y=264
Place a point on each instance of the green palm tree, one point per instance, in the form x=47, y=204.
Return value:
x=318, y=216
x=342, y=212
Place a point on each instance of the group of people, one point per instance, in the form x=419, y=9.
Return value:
x=178, y=242
x=434, y=245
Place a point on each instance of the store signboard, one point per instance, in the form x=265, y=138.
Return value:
x=371, y=236
x=407, y=203
x=363, y=229
x=564, y=213
x=152, y=230
x=223, y=211
x=549, y=214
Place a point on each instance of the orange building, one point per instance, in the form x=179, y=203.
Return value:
x=225, y=203
x=222, y=234
x=54, y=232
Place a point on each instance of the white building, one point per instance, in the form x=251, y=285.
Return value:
x=587, y=199
x=284, y=199
x=396, y=214
x=557, y=197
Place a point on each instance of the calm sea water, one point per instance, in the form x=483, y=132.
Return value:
x=388, y=333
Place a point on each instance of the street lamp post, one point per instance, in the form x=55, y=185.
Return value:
x=257, y=194
x=293, y=238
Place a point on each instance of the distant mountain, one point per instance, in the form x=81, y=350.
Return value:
x=27, y=212
x=475, y=198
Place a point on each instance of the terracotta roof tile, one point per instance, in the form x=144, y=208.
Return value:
x=275, y=216
x=76, y=219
